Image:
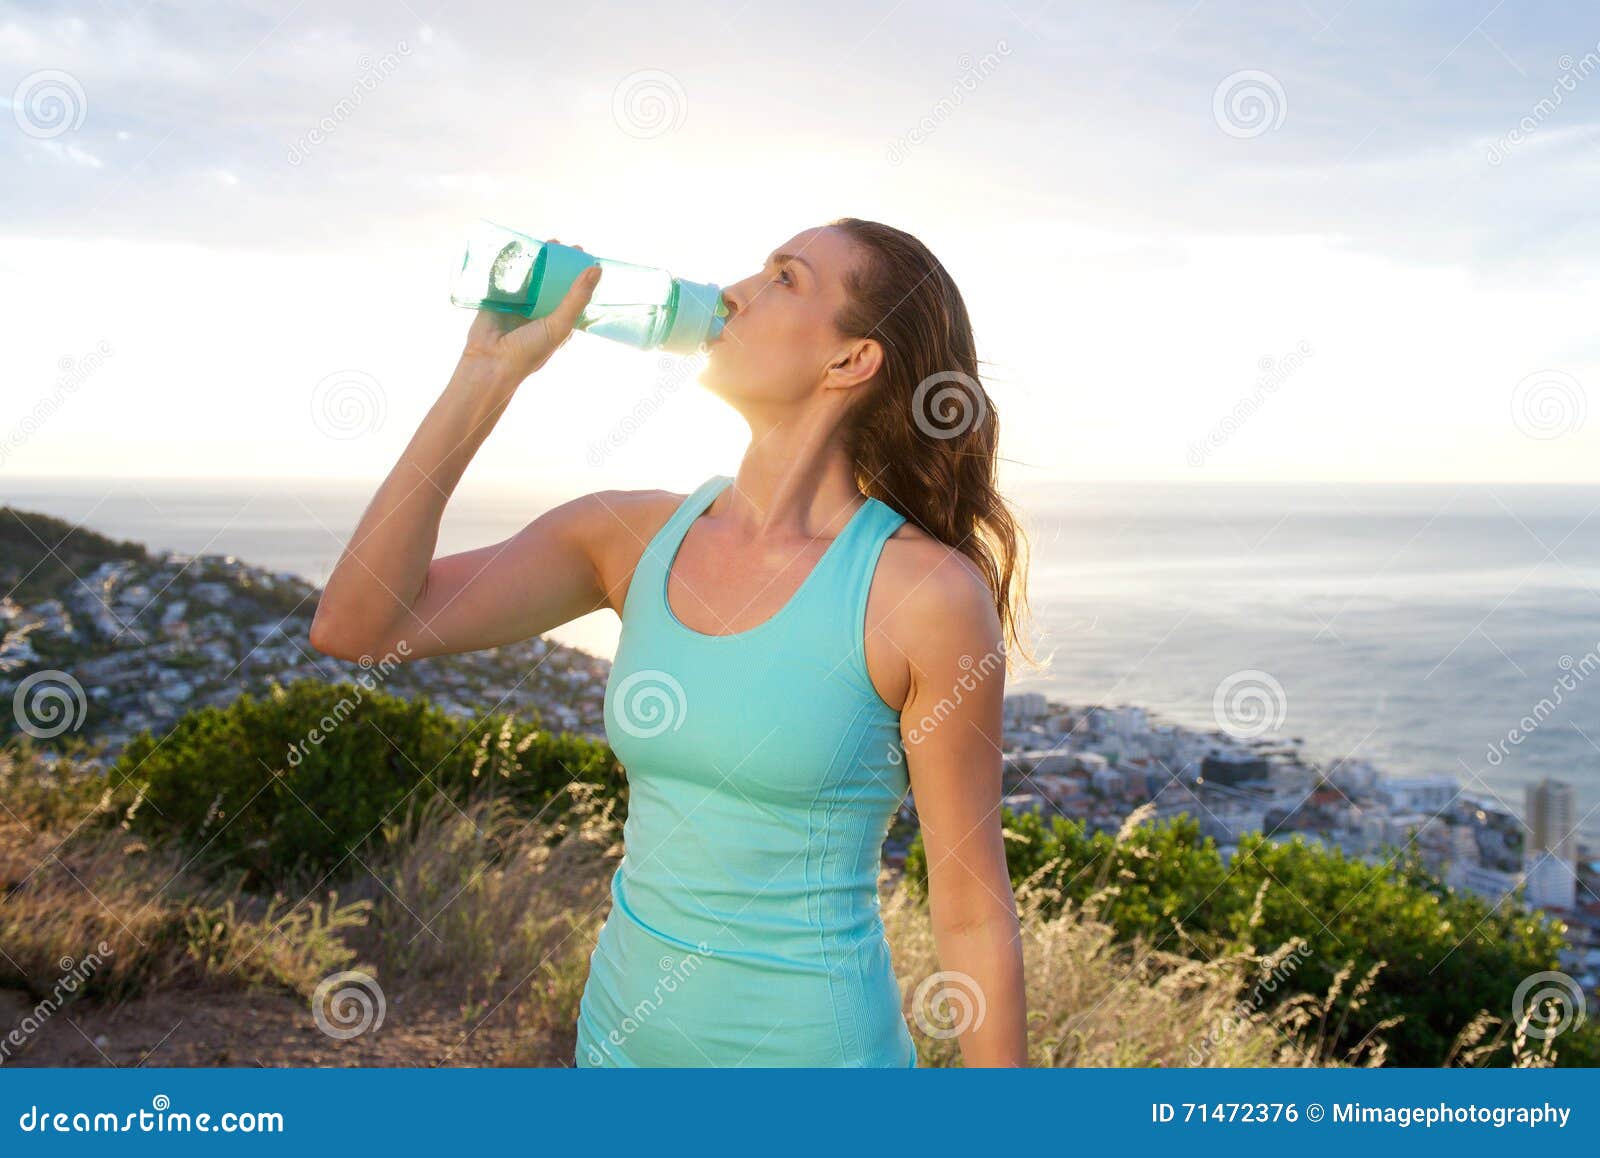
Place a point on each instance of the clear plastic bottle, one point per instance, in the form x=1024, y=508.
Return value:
x=638, y=305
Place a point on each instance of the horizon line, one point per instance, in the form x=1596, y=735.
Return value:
x=375, y=480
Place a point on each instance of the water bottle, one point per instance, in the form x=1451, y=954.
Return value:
x=643, y=307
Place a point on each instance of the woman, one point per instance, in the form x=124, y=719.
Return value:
x=800, y=644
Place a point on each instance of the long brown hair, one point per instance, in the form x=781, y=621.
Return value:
x=924, y=438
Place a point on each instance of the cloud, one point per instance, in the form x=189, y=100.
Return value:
x=1101, y=114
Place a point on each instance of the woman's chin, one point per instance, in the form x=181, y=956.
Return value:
x=713, y=375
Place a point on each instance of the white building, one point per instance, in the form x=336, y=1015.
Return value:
x=1353, y=777
x=1381, y=828
x=1124, y=727
x=1552, y=852
x=1026, y=708
x=1487, y=883
x=1048, y=760
x=1092, y=763
x=1026, y=802
x=1551, y=882
x=1430, y=794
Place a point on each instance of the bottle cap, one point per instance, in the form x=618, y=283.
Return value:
x=698, y=318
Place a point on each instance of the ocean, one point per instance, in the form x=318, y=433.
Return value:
x=1429, y=628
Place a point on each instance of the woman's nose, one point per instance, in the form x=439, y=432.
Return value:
x=741, y=293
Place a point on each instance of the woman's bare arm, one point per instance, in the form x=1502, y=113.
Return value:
x=951, y=728
x=387, y=587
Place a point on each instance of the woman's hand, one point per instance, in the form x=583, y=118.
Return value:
x=503, y=349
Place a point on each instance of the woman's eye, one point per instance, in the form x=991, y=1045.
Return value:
x=784, y=272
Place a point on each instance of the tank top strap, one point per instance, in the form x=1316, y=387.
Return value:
x=650, y=574
x=857, y=564
x=855, y=561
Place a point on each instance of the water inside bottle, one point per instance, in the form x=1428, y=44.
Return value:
x=634, y=323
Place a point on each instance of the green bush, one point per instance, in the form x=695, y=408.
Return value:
x=295, y=784
x=1446, y=954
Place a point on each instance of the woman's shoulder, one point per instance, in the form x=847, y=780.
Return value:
x=617, y=525
x=930, y=586
x=623, y=514
x=934, y=612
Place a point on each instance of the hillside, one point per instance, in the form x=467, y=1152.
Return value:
x=206, y=873
x=130, y=640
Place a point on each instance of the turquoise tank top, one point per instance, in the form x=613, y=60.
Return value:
x=763, y=772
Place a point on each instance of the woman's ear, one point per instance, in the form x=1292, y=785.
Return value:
x=857, y=364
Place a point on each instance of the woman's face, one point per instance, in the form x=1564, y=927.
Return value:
x=779, y=337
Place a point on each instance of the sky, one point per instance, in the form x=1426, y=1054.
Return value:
x=1336, y=240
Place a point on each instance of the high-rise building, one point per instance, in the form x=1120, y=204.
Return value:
x=1552, y=850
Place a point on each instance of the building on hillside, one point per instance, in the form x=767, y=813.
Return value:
x=1552, y=856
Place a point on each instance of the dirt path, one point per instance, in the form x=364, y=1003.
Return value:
x=251, y=1029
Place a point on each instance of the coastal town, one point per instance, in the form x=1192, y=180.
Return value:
x=1096, y=764
x=145, y=642
x=134, y=643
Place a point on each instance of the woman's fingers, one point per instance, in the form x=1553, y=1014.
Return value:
x=565, y=315
x=520, y=346
x=532, y=344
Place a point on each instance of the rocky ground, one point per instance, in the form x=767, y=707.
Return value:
x=252, y=1029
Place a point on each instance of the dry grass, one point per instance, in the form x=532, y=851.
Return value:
x=89, y=910
x=505, y=913
x=1097, y=1001
x=471, y=909
x=497, y=913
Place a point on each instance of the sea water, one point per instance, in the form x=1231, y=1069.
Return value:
x=1411, y=625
